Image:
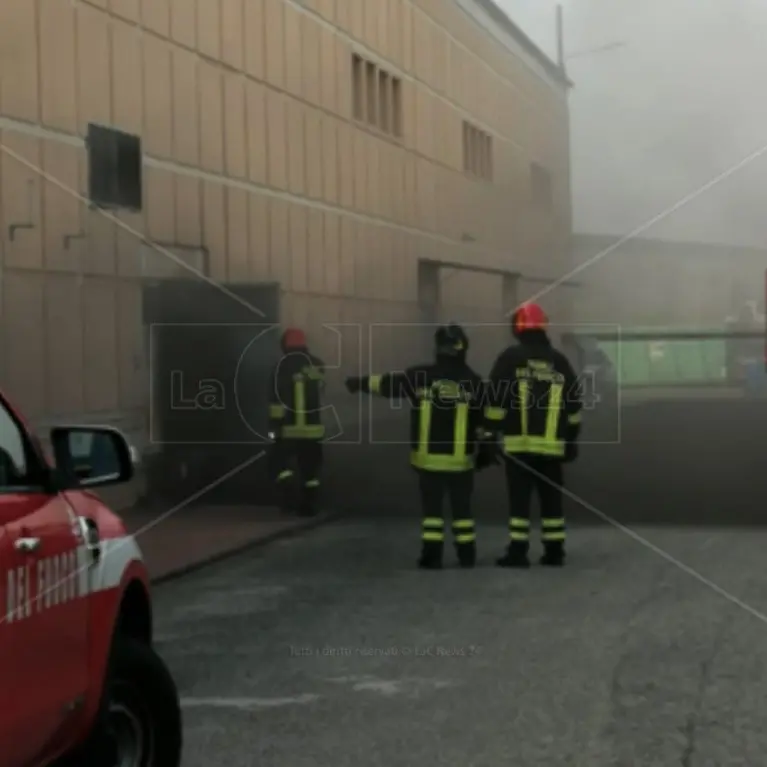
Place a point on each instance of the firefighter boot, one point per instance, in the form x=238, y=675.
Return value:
x=309, y=498
x=286, y=491
x=467, y=554
x=553, y=554
x=516, y=556
x=431, y=556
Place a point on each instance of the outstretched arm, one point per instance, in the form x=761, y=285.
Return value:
x=398, y=385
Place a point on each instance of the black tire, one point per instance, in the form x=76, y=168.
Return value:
x=140, y=723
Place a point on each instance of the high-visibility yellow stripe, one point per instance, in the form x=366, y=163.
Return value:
x=463, y=524
x=460, y=430
x=437, y=462
x=424, y=428
x=437, y=537
x=560, y=536
x=312, y=483
x=574, y=419
x=276, y=411
x=519, y=522
x=553, y=522
x=283, y=475
x=535, y=445
x=524, y=396
x=495, y=413
x=374, y=384
x=465, y=538
x=299, y=392
x=311, y=431
x=517, y=536
x=554, y=412
x=433, y=522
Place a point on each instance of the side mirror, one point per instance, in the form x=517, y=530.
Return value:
x=92, y=456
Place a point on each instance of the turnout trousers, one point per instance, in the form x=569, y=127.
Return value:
x=527, y=474
x=458, y=487
x=297, y=464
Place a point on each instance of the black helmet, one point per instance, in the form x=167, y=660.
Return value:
x=451, y=341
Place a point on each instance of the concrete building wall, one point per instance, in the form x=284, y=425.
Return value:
x=657, y=282
x=253, y=154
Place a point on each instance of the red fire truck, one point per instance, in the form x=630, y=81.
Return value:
x=81, y=683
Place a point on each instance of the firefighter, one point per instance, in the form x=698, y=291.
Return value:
x=535, y=409
x=295, y=422
x=446, y=427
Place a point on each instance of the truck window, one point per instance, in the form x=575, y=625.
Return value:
x=13, y=461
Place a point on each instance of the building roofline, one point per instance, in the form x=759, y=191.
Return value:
x=499, y=16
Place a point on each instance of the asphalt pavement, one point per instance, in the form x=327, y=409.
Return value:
x=647, y=649
x=333, y=649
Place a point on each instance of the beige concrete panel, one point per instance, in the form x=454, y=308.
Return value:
x=410, y=185
x=160, y=205
x=209, y=28
x=255, y=96
x=64, y=344
x=373, y=161
x=327, y=70
x=424, y=120
x=296, y=147
x=158, y=98
x=94, y=87
x=126, y=9
x=129, y=243
x=155, y=15
x=407, y=36
x=394, y=31
x=237, y=235
x=349, y=255
x=330, y=161
x=233, y=33
x=186, y=136
x=440, y=59
x=183, y=22
x=276, y=115
x=255, y=40
x=100, y=371
x=344, y=15
x=211, y=118
x=409, y=114
x=294, y=52
x=357, y=20
x=298, y=222
x=384, y=173
x=316, y=258
x=426, y=194
x=62, y=210
x=259, y=238
x=127, y=84
x=58, y=65
x=23, y=334
x=327, y=9
x=332, y=253
x=188, y=210
x=370, y=13
x=343, y=78
x=19, y=95
x=360, y=145
x=310, y=60
x=235, y=126
x=214, y=228
x=422, y=64
x=383, y=263
x=279, y=243
x=275, y=42
x=21, y=201
x=314, y=161
x=132, y=361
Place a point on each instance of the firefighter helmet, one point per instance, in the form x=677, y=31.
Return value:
x=451, y=340
x=292, y=339
x=529, y=317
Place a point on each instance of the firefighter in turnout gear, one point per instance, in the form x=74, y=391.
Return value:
x=535, y=409
x=445, y=429
x=295, y=422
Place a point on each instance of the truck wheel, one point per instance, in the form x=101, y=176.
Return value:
x=140, y=724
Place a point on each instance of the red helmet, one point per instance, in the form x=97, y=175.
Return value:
x=293, y=338
x=529, y=317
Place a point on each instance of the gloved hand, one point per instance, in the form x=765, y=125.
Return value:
x=487, y=454
x=571, y=452
x=353, y=384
